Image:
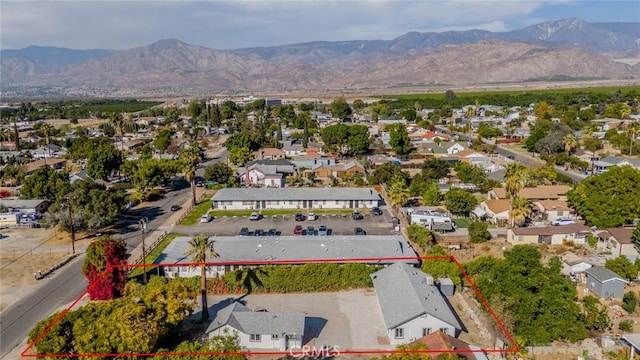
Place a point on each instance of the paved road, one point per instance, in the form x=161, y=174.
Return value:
x=527, y=160
x=68, y=283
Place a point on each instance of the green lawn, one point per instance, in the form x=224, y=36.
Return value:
x=153, y=254
x=271, y=212
x=463, y=223
x=195, y=214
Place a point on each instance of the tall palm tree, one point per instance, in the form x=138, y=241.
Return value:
x=200, y=247
x=190, y=158
x=47, y=130
x=520, y=210
x=515, y=183
x=118, y=124
x=633, y=129
x=570, y=143
x=249, y=278
x=513, y=168
x=4, y=134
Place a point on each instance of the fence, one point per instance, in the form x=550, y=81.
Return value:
x=139, y=259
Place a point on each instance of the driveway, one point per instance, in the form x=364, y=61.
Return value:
x=351, y=320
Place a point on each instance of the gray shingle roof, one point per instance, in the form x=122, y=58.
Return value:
x=261, y=248
x=256, y=194
x=603, y=274
x=247, y=321
x=403, y=294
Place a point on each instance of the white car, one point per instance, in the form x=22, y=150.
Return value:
x=206, y=218
x=562, y=221
x=312, y=217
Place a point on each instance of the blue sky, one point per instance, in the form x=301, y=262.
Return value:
x=124, y=24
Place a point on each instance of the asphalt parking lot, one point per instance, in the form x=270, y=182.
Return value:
x=340, y=224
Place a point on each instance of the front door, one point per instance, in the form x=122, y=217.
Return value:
x=351, y=204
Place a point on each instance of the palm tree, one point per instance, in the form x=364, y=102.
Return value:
x=118, y=124
x=47, y=130
x=248, y=278
x=632, y=129
x=190, y=158
x=4, y=134
x=398, y=192
x=515, y=183
x=520, y=210
x=570, y=143
x=200, y=247
x=512, y=168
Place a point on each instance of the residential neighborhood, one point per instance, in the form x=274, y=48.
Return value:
x=255, y=218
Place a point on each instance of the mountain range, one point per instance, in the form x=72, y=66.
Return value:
x=556, y=50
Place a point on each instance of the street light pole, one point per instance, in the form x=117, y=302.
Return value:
x=143, y=227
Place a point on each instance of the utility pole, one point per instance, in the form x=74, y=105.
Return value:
x=73, y=231
x=143, y=227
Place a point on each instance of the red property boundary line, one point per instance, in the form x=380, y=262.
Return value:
x=515, y=348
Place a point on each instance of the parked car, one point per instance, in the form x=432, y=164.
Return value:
x=272, y=232
x=376, y=211
x=357, y=216
x=359, y=231
x=199, y=184
x=312, y=217
x=322, y=230
x=297, y=230
x=244, y=231
x=311, y=230
x=300, y=217
x=255, y=216
x=175, y=207
x=259, y=232
x=206, y=218
x=562, y=221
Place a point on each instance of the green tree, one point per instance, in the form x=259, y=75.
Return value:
x=595, y=315
x=104, y=162
x=421, y=235
x=334, y=137
x=358, y=105
x=440, y=268
x=543, y=110
x=340, y=109
x=630, y=302
x=218, y=172
x=240, y=156
x=431, y=195
x=47, y=130
x=162, y=140
x=609, y=199
x=478, y=231
x=623, y=267
x=399, y=139
x=382, y=174
x=520, y=210
x=358, y=140
x=45, y=183
x=460, y=201
x=398, y=191
x=200, y=247
x=635, y=235
x=190, y=158
x=434, y=169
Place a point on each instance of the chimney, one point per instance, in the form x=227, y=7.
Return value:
x=246, y=175
x=429, y=279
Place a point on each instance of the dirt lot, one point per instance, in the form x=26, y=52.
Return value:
x=26, y=251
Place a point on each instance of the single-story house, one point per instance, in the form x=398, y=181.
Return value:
x=545, y=192
x=605, y=283
x=241, y=250
x=269, y=173
x=295, y=198
x=54, y=163
x=259, y=329
x=438, y=340
x=25, y=206
x=573, y=264
x=348, y=170
x=269, y=154
x=133, y=145
x=495, y=211
x=309, y=162
x=618, y=241
x=322, y=171
x=551, y=235
x=551, y=210
x=411, y=304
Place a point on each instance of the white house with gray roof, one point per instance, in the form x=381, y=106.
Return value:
x=411, y=304
x=295, y=198
x=259, y=329
x=244, y=250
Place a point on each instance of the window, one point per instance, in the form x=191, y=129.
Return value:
x=560, y=213
x=291, y=202
x=275, y=337
x=245, y=202
x=324, y=202
x=399, y=333
x=254, y=337
x=426, y=331
x=444, y=330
